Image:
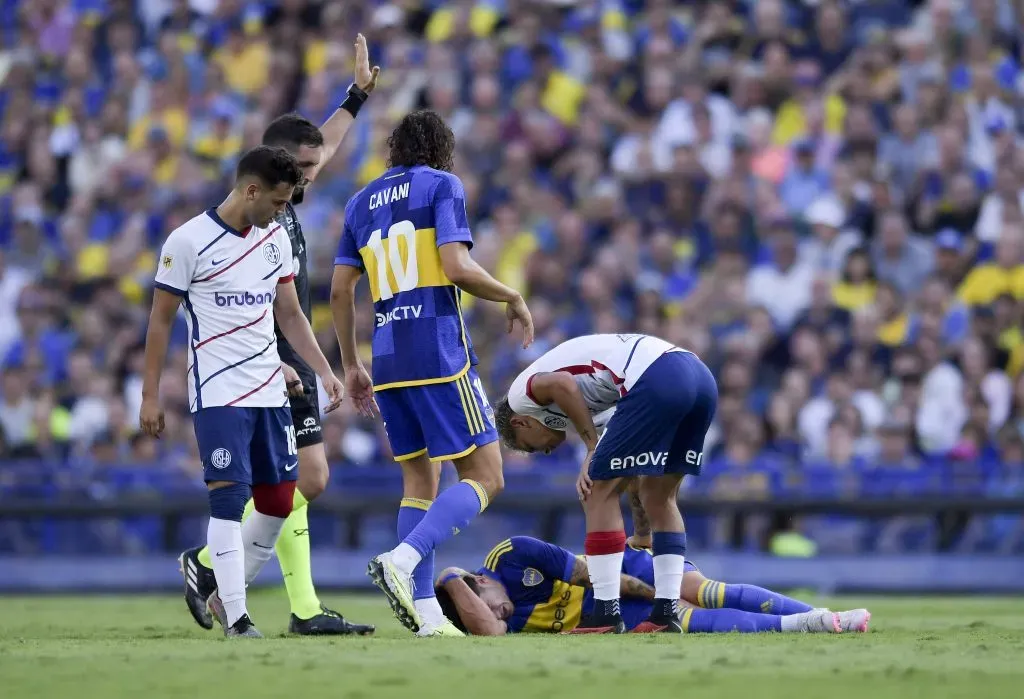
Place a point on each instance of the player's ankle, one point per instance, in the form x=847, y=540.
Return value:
x=429, y=610
x=405, y=558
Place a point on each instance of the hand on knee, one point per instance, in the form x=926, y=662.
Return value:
x=274, y=500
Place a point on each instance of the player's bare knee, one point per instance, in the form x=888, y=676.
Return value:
x=274, y=500
x=420, y=478
x=485, y=467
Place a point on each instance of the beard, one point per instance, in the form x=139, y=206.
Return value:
x=298, y=194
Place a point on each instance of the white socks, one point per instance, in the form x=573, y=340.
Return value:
x=259, y=535
x=224, y=537
x=790, y=623
x=668, y=576
x=405, y=558
x=605, y=575
x=430, y=611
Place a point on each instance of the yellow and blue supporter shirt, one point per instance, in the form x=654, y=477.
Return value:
x=393, y=229
x=536, y=576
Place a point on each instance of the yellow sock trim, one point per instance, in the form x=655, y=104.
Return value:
x=721, y=595
x=416, y=503
x=702, y=599
x=480, y=493
x=685, y=621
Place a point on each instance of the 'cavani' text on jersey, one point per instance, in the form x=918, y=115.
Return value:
x=228, y=282
x=393, y=229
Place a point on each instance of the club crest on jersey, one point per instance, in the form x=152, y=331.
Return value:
x=556, y=422
x=167, y=261
x=532, y=577
x=272, y=253
x=220, y=458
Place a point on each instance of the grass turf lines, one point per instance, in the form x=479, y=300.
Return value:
x=147, y=647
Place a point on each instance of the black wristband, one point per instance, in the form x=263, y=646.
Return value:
x=354, y=101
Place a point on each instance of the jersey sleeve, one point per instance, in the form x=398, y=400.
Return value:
x=519, y=397
x=348, y=247
x=451, y=223
x=177, y=264
x=523, y=552
x=284, y=243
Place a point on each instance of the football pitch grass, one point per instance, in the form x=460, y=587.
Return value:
x=147, y=647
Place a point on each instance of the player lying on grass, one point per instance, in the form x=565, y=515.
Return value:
x=530, y=586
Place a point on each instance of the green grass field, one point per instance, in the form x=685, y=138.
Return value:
x=149, y=648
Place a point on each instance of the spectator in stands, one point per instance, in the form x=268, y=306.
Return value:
x=17, y=414
x=1005, y=275
x=902, y=259
x=941, y=411
x=895, y=448
x=783, y=286
x=949, y=256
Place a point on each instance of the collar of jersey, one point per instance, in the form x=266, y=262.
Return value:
x=212, y=213
x=490, y=574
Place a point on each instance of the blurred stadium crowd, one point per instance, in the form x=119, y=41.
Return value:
x=822, y=199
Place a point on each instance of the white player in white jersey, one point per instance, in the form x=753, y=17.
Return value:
x=604, y=368
x=655, y=402
x=232, y=268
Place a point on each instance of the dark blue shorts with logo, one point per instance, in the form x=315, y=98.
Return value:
x=659, y=426
x=255, y=446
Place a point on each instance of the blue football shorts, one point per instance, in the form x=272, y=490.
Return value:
x=445, y=421
x=255, y=446
x=659, y=426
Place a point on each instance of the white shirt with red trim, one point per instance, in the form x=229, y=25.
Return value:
x=605, y=367
x=228, y=281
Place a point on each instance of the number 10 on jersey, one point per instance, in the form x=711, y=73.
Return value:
x=406, y=275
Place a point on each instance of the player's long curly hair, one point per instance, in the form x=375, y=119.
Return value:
x=422, y=138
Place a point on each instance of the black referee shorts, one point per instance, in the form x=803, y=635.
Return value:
x=306, y=418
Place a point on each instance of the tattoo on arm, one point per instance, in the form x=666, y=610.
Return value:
x=634, y=587
x=580, y=573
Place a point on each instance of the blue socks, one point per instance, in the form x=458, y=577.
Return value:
x=450, y=513
x=412, y=511
x=728, y=620
x=749, y=598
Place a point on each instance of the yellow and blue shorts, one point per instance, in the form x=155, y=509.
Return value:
x=445, y=421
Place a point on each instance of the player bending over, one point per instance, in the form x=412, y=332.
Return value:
x=529, y=586
x=233, y=269
x=312, y=148
x=408, y=231
x=664, y=399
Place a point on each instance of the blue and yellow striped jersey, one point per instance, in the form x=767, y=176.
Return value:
x=536, y=574
x=393, y=229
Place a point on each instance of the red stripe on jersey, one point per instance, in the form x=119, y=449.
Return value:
x=261, y=386
x=529, y=389
x=285, y=280
x=592, y=368
x=232, y=330
x=221, y=271
x=602, y=367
